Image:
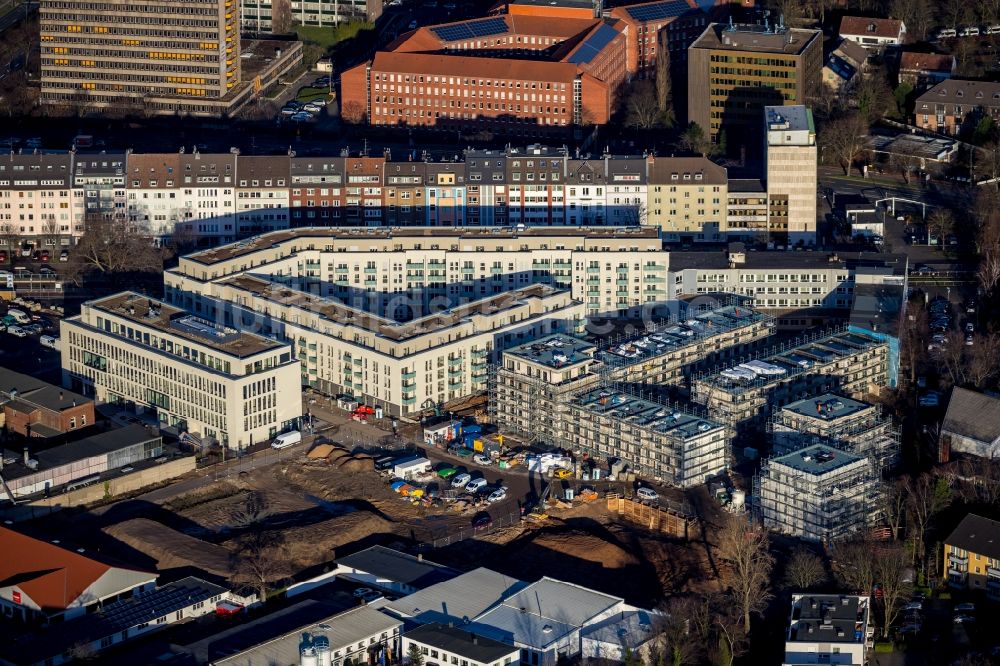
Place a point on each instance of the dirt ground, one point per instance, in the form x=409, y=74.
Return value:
x=323, y=511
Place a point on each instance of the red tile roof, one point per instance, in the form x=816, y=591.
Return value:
x=859, y=25
x=449, y=65
x=51, y=576
x=926, y=62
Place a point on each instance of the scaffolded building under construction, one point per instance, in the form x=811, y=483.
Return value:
x=819, y=493
x=840, y=422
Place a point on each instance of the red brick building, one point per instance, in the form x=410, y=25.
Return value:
x=675, y=23
x=33, y=408
x=523, y=74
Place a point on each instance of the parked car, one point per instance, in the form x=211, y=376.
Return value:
x=447, y=472
x=361, y=592
x=498, y=495
x=312, y=108
x=483, y=521
x=970, y=327
x=476, y=485
x=561, y=473
x=930, y=399
x=64, y=255
x=370, y=596
x=461, y=480
x=126, y=469
x=17, y=331
x=3, y=256
x=965, y=608
x=288, y=111
x=481, y=459
x=914, y=606
x=969, y=340
x=964, y=619
x=647, y=494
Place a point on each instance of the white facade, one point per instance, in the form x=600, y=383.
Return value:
x=213, y=381
x=792, y=177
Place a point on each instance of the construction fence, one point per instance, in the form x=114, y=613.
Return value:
x=653, y=517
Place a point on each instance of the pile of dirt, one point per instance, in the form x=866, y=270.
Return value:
x=580, y=544
x=336, y=455
x=171, y=549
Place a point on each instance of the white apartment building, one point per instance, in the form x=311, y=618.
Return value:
x=831, y=629
x=197, y=376
x=791, y=173
x=262, y=194
x=99, y=183
x=36, y=199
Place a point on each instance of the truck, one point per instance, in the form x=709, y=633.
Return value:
x=83, y=141
x=286, y=439
x=20, y=316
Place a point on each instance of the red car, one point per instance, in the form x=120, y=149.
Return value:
x=45, y=255
x=3, y=257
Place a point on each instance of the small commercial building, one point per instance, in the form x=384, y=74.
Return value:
x=411, y=467
x=875, y=34
x=391, y=570
x=78, y=463
x=41, y=581
x=972, y=556
x=631, y=632
x=829, y=629
x=456, y=600
x=359, y=636
x=446, y=644
x=116, y=623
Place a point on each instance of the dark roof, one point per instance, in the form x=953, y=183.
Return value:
x=977, y=535
x=460, y=642
x=980, y=93
x=780, y=259
x=36, y=392
x=878, y=308
x=973, y=415
x=397, y=566
x=852, y=51
x=101, y=444
x=748, y=185
x=113, y=618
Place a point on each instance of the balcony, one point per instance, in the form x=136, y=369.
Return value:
x=958, y=559
x=452, y=362
x=480, y=353
x=593, y=270
x=371, y=271
x=621, y=281
x=411, y=400
x=655, y=267
x=410, y=375
x=456, y=383
x=593, y=280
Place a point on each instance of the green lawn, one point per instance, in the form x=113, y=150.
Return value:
x=309, y=93
x=328, y=37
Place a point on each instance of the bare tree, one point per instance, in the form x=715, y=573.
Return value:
x=10, y=236
x=113, y=247
x=664, y=86
x=694, y=140
x=679, y=642
x=804, y=570
x=642, y=110
x=926, y=497
x=979, y=481
x=914, y=329
x=983, y=359
x=942, y=221
x=854, y=566
x=353, y=112
x=745, y=548
x=894, y=500
x=259, y=561
x=844, y=137
x=890, y=571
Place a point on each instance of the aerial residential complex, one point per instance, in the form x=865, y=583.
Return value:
x=197, y=375
x=740, y=69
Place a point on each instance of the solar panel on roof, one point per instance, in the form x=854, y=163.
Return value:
x=660, y=10
x=593, y=45
x=471, y=29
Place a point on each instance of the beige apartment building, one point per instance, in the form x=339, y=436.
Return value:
x=151, y=56
x=197, y=375
x=686, y=199
x=791, y=172
x=606, y=268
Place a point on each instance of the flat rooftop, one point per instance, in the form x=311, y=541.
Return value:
x=816, y=460
x=895, y=264
x=790, y=362
x=326, y=234
x=397, y=566
x=827, y=407
x=645, y=414
x=88, y=447
x=555, y=351
x=793, y=118
x=756, y=38
x=36, y=392
x=828, y=618
x=689, y=329
x=334, y=310
x=158, y=315
x=462, y=642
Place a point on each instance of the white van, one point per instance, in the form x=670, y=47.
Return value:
x=49, y=341
x=20, y=316
x=17, y=332
x=946, y=33
x=286, y=439
x=647, y=494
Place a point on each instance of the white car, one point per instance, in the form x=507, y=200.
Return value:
x=929, y=400
x=498, y=495
x=17, y=332
x=361, y=592
x=312, y=108
x=914, y=606
x=319, y=101
x=461, y=480
x=965, y=608
x=964, y=619
x=481, y=459
x=476, y=485
x=647, y=494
